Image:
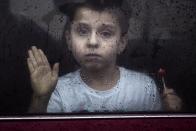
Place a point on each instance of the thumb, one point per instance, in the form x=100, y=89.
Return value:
x=167, y=90
x=55, y=70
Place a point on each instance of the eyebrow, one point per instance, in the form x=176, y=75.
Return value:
x=86, y=23
x=103, y=26
x=81, y=24
x=108, y=26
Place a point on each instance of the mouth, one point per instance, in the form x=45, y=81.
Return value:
x=92, y=57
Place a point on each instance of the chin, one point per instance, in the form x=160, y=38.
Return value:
x=93, y=66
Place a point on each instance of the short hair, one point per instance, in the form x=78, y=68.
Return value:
x=123, y=15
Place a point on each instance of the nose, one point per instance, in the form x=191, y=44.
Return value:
x=93, y=41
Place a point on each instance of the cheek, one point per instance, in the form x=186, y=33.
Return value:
x=77, y=50
x=111, y=46
x=77, y=45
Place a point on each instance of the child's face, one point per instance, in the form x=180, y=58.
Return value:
x=95, y=38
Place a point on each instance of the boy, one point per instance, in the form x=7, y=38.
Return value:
x=96, y=33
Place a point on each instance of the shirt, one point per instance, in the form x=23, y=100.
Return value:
x=134, y=91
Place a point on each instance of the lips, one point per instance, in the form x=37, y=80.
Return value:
x=92, y=57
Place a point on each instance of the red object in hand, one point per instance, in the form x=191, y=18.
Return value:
x=161, y=72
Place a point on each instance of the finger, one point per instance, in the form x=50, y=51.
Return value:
x=32, y=58
x=44, y=58
x=30, y=66
x=37, y=55
x=55, y=70
x=167, y=90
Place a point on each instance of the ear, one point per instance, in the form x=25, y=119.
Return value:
x=123, y=43
x=68, y=39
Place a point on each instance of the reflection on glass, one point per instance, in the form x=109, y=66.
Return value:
x=113, y=57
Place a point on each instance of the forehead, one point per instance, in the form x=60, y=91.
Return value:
x=91, y=16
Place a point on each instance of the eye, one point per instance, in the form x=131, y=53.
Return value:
x=106, y=34
x=82, y=31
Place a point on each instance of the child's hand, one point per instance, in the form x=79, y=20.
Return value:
x=171, y=100
x=43, y=78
